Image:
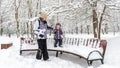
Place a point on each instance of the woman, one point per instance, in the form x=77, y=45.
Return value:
x=40, y=29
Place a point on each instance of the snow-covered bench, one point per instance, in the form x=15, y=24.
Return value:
x=88, y=49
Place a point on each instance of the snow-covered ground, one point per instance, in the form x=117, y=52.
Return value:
x=10, y=58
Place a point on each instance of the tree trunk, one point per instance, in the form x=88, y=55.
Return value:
x=16, y=18
x=0, y=20
x=118, y=27
x=113, y=30
x=101, y=18
x=106, y=28
x=81, y=31
x=37, y=8
x=1, y=28
x=102, y=31
x=88, y=29
x=18, y=30
x=95, y=23
x=31, y=30
x=29, y=2
x=51, y=31
x=27, y=29
x=76, y=30
x=17, y=22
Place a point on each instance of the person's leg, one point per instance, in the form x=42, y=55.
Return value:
x=40, y=49
x=60, y=42
x=45, y=52
x=56, y=41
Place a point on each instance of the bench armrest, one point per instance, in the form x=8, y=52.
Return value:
x=93, y=52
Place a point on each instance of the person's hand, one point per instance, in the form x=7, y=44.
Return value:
x=62, y=36
x=54, y=31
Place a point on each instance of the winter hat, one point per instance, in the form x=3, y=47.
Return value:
x=58, y=24
x=43, y=15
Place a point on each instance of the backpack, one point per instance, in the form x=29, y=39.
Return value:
x=39, y=24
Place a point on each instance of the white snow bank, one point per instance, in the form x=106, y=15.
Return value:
x=109, y=66
x=90, y=67
x=5, y=40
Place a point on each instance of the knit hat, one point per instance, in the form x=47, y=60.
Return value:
x=58, y=24
x=43, y=15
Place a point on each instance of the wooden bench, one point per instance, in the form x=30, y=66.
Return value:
x=88, y=49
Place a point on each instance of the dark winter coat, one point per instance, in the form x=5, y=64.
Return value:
x=57, y=34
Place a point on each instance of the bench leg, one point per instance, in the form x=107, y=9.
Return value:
x=89, y=62
x=57, y=54
x=61, y=52
x=102, y=61
x=80, y=57
x=20, y=52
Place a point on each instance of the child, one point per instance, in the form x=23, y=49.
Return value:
x=58, y=35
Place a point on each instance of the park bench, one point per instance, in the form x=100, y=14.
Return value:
x=89, y=49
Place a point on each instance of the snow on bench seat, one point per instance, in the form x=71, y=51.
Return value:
x=80, y=50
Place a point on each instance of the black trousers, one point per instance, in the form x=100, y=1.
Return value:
x=42, y=45
x=57, y=41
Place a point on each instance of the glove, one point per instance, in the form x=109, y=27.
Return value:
x=41, y=35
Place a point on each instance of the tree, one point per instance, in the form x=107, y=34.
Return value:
x=88, y=29
x=16, y=8
x=101, y=19
x=97, y=19
x=4, y=10
x=71, y=13
x=29, y=3
x=1, y=29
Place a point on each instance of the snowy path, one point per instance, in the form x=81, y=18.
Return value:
x=112, y=57
x=11, y=58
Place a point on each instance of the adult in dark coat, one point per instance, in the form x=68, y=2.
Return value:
x=40, y=30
